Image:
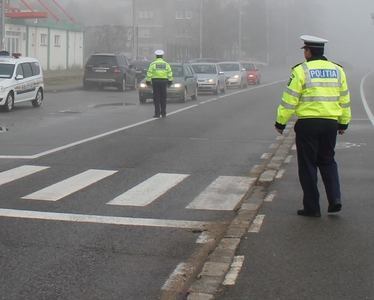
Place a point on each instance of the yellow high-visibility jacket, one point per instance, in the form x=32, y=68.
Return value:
x=317, y=89
x=159, y=69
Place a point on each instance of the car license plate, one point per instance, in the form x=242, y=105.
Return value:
x=100, y=70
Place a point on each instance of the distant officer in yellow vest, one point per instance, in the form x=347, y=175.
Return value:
x=318, y=94
x=160, y=76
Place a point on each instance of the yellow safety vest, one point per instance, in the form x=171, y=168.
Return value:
x=159, y=69
x=317, y=89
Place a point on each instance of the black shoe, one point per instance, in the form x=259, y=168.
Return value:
x=163, y=115
x=302, y=212
x=156, y=116
x=334, y=208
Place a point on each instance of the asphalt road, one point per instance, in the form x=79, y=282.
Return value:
x=100, y=201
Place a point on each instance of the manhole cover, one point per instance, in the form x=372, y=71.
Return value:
x=108, y=104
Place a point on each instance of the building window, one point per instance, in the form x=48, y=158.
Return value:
x=146, y=14
x=44, y=39
x=57, y=41
x=179, y=15
x=144, y=33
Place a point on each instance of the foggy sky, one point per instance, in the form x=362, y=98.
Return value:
x=345, y=23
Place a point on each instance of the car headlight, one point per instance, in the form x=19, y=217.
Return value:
x=236, y=76
x=211, y=81
x=176, y=85
x=142, y=85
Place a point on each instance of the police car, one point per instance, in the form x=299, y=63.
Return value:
x=21, y=79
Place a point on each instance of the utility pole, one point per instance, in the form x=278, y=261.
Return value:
x=2, y=24
x=201, y=29
x=240, y=29
x=134, y=31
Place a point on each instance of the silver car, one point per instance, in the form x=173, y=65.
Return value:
x=236, y=75
x=210, y=78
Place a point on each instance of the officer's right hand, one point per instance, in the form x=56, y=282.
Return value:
x=148, y=83
x=341, y=131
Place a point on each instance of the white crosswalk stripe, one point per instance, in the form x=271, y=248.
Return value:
x=222, y=194
x=149, y=190
x=19, y=172
x=70, y=185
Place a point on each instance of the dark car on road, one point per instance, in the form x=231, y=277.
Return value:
x=184, y=84
x=108, y=69
x=141, y=68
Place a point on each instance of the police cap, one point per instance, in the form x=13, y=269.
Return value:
x=313, y=41
x=159, y=52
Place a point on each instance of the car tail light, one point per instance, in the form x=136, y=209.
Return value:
x=116, y=70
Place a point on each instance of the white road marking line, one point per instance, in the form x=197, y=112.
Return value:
x=266, y=155
x=270, y=197
x=70, y=185
x=109, y=220
x=256, y=224
x=363, y=99
x=280, y=173
x=288, y=159
x=204, y=238
x=236, y=266
x=19, y=172
x=149, y=190
x=44, y=153
x=178, y=274
x=224, y=193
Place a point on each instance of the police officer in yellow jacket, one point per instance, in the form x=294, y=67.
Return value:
x=318, y=94
x=159, y=74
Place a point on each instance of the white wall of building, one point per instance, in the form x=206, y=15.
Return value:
x=55, y=48
x=58, y=49
x=75, y=49
x=38, y=45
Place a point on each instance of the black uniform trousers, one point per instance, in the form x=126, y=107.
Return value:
x=159, y=95
x=315, y=142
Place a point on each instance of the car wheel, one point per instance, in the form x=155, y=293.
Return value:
x=122, y=85
x=223, y=90
x=194, y=96
x=86, y=85
x=9, y=103
x=37, y=102
x=184, y=96
x=216, y=90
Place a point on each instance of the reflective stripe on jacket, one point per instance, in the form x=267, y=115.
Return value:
x=159, y=69
x=317, y=89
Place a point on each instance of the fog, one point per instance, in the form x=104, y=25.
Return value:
x=270, y=29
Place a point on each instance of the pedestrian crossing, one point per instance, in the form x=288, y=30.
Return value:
x=223, y=194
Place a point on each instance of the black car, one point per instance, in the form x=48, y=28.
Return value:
x=108, y=69
x=141, y=68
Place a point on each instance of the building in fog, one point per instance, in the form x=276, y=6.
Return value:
x=46, y=32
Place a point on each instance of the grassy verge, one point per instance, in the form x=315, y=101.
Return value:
x=63, y=77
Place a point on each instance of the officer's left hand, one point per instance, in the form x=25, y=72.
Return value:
x=279, y=130
x=341, y=131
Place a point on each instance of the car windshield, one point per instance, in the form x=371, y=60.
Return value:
x=204, y=69
x=102, y=60
x=6, y=70
x=229, y=67
x=249, y=67
x=177, y=70
x=141, y=64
